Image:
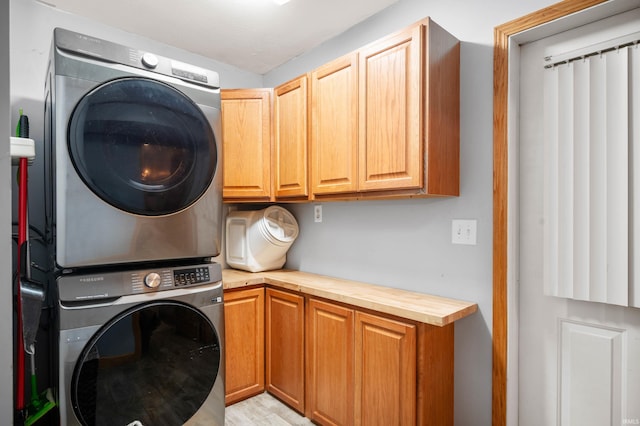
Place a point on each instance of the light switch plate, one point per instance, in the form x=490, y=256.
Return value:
x=317, y=213
x=464, y=231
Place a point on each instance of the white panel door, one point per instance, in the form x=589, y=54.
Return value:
x=579, y=361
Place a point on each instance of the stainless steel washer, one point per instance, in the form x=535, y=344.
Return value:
x=142, y=345
x=132, y=155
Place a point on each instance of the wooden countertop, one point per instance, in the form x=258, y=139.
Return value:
x=425, y=308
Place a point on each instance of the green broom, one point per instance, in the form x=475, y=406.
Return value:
x=40, y=404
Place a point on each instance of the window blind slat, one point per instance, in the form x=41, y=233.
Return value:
x=634, y=146
x=617, y=88
x=565, y=180
x=598, y=173
x=550, y=200
x=582, y=181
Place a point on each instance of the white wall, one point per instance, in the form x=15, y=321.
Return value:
x=407, y=244
x=6, y=317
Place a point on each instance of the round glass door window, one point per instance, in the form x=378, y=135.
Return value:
x=156, y=364
x=142, y=146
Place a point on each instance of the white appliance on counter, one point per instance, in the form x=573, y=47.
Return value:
x=258, y=240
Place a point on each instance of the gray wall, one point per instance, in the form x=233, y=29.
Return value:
x=404, y=244
x=6, y=318
x=407, y=244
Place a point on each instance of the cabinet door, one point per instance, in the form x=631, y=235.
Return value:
x=329, y=363
x=244, y=344
x=390, y=137
x=246, y=129
x=334, y=126
x=385, y=371
x=285, y=347
x=291, y=133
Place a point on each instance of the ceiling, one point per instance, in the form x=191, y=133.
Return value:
x=253, y=35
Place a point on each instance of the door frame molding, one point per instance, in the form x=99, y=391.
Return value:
x=503, y=254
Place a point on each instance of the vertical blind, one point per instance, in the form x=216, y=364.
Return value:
x=592, y=177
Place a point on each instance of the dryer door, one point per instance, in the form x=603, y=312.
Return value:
x=142, y=146
x=155, y=363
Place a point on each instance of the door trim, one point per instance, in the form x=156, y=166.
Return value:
x=501, y=251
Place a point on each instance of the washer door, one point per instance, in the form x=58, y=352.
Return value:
x=155, y=363
x=142, y=146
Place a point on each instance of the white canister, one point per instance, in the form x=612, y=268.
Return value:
x=258, y=240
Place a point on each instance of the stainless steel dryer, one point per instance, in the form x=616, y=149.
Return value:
x=142, y=345
x=133, y=152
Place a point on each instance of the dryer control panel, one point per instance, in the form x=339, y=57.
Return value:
x=106, y=51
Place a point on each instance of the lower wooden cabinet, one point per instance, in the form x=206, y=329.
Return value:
x=385, y=371
x=285, y=347
x=330, y=373
x=361, y=368
x=244, y=344
x=338, y=364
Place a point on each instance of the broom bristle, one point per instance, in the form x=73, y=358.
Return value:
x=39, y=407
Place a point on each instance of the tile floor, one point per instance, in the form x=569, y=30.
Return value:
x=263, y=410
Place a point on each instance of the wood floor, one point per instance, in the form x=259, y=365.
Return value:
x=262, y=410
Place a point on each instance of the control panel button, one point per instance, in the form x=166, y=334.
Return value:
x=191, y=276
x=149, y=60
x=152, y=280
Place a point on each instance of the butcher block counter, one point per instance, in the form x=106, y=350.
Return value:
x=425, y=308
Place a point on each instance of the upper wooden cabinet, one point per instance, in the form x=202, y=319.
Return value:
x=389, y=113
x=334, y=126
x=390, y=102
x=291, y=134
x=246, y=150
x=380, y=122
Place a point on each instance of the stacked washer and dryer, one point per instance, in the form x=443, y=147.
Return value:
x=134, y=209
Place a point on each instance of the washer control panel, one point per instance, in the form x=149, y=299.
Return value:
x=191, y=276
x=110, y=285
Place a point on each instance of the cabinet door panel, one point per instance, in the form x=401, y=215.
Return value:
x=246, y=126
x=385, y=371
x=290, y=105
x=391, y=149
x=329, y=363
x=244, y=344
x=334, y=126
x=285, y=347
